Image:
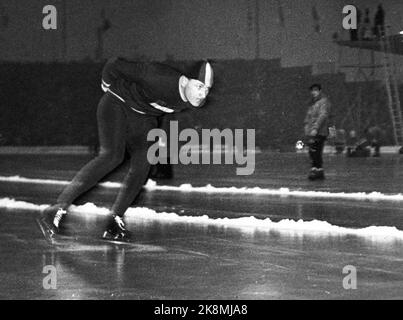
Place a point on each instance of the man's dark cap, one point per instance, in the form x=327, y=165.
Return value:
x=315, y=86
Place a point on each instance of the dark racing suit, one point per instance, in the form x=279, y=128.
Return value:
x=136, y=95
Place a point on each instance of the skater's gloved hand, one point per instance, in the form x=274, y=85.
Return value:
x=314, y=132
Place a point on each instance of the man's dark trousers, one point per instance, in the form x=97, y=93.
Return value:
x=316, y=145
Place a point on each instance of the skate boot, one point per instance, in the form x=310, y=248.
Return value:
x=52, y=219
x=115, y=230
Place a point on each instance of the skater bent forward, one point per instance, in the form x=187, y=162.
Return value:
x=136, y=95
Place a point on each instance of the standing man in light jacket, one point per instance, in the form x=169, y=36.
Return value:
x=317, y=129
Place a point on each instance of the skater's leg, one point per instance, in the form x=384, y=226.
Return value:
x=133, y=182
x=137, y=143
x=112, y=138
x=139, y=165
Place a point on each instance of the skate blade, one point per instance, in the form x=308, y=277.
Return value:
x=46, y=230
x=107, y=237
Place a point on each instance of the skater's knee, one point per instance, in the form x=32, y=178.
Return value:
x=113, y=158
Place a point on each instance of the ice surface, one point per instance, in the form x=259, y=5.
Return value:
x=245, y=224
x=282, y=192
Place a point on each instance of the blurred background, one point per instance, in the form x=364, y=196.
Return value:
x=265, y=53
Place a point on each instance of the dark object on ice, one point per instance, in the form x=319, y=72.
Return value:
x=316, y=174
x=161, y=171
x=358, y=153
x=360, y=150
x=340, y=141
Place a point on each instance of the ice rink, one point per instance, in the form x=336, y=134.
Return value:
x=210, y=234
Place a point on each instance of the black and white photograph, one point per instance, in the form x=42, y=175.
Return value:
x=210, y=152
